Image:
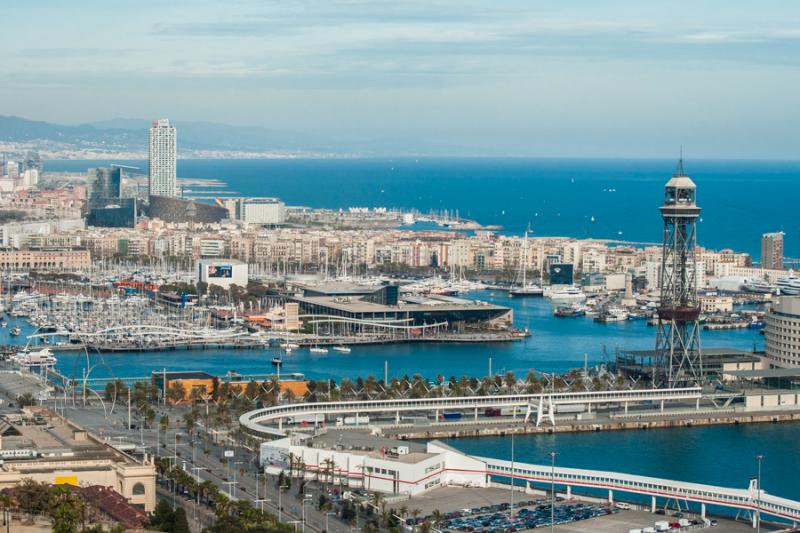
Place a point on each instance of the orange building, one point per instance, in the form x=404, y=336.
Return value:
x=204, y=383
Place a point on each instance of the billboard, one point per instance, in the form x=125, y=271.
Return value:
x=220, y=271
x=561, y=274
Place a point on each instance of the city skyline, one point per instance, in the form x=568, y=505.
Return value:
x=585, y=80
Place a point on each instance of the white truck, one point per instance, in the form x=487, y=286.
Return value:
x=352, y=421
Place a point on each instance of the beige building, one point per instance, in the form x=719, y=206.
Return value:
x=44, y=259
x=47, y=448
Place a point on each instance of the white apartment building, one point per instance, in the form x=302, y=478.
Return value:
x=163, y=159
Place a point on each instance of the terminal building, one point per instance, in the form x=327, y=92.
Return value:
x=376, y=464
x=384, y=307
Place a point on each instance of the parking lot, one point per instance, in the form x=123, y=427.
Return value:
x=449, y=499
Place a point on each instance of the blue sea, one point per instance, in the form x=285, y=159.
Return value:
x=602, y=198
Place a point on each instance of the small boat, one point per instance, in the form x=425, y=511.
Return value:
x=342, y=349
x=277, y=361
x=569, y=311
x=289, y=346
x=16, y=330
x=317, y=349
x=3, y=323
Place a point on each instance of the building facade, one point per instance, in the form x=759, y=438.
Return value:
x=772, y=250
x=163, y=159
x=103, y=186
x=782, y=334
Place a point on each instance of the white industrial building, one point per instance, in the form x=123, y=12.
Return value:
x=375, y=464
x=222, y=273
x=269, y=211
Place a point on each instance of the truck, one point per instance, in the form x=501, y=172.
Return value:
x=305, y=419
x=570, y=408
x=492, y=411
x=352, y=421
x=451, y=415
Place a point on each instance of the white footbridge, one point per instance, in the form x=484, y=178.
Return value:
x=537, y=407
x=750, y=500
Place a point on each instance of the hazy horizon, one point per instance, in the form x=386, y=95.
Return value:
x=612, y=79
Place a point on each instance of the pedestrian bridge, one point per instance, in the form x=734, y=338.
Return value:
x=749, y=500
x=530, y=403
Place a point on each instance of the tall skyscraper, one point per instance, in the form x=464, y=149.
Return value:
x=772, y=250
x=163, y=172
x=104, y=186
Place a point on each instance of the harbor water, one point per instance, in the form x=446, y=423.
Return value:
x=556, y=344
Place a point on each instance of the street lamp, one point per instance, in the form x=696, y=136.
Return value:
x=306, y=497
x=197, y=470
x=235, y=465
x=759, y=458
x=261, y=502
x=281, y=488
x=327, y=529
x=552, y=490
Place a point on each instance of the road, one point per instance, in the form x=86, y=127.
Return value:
x=113, y=426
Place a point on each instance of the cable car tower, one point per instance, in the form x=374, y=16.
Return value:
x=678, y=355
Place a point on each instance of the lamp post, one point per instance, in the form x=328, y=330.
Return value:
x=306, y=497
x=280, y=505
x=235, y=465
x=759, y=459
x=197, y=470
x=552, y=490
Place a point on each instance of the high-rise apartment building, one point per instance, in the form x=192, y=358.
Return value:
x=163, y=171
x=772, y=250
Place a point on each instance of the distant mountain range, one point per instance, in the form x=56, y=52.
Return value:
x=123, y=134
x=204, y=138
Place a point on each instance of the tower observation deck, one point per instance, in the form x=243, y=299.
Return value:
x=678, y=334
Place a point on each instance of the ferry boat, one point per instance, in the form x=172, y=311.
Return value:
x=318, y=349
x=41, y=359
x=568, y=294
x=790, y=285
x=342, y=349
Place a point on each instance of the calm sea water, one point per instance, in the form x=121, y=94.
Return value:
x=580, y=198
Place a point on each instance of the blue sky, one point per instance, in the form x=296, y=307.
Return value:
x=580, y=78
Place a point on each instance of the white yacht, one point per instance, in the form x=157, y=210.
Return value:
x=318, y=349
x=790, y=285
x=757, y=285
x=41, y=359
x=568, y=294
x=342, y=349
